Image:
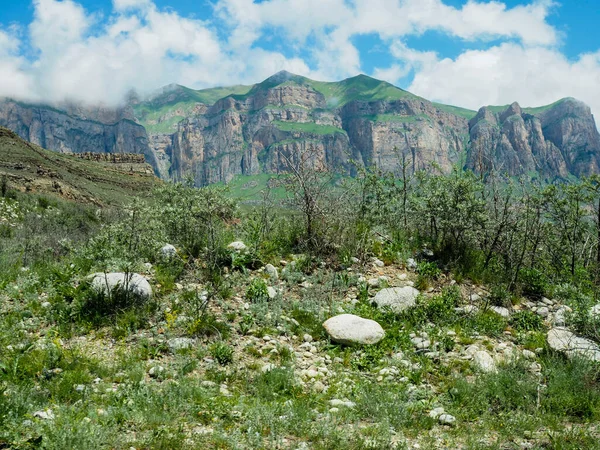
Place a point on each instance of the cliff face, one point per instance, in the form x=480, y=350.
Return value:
x=558, y=141
x=216, y=134
x=275, y=125
x=74, y=129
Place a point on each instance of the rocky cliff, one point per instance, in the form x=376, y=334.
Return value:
x=215, y=134
x=554, y=141
x=360, y=121
x=75, y=129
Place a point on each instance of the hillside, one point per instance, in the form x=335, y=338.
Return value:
x=30, y=168
x=214, y=135
x=194, y=324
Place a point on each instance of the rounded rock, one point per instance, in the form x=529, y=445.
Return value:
x=349, y=329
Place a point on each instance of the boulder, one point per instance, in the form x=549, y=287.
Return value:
x=350, y=329
x=271, y=270
x=168, y=251
x=564, y=341
x=397, y=299
x=501, y=311
x=238, y=246
x=108, y=282
x=484, y=362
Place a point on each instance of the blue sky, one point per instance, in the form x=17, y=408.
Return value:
x=468, y=53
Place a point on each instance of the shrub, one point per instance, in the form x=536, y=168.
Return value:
x=222, y=353
x=257, y=291
x=533, y=283
x=276, y=383
x=526, y=321
x=500, y=296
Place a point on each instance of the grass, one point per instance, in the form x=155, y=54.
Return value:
x=162, y=113
x=312, y=128
x=256, y=373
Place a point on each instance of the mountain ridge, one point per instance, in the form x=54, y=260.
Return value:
x=215, y=134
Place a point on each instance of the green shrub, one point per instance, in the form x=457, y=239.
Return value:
x=427, y=273
x=500, y=296
x=526, y=321
x=222, y=353
x=573, y=388
x=257, y=291
x=278, y=383
x=533, y=283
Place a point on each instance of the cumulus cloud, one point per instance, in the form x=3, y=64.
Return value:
x=74, y=55
x=510, y=72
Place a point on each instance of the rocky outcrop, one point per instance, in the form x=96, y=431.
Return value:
x=73, y=129
x=556, y=142
x=341, y=126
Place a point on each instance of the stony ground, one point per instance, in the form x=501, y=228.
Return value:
x=256, y=368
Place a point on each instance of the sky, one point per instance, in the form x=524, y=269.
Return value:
x=466, y=53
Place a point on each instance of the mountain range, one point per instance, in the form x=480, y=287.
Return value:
x=215, y=134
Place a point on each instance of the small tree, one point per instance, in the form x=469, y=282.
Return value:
x=310, y=182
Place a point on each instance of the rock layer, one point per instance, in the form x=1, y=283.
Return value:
x=343, y=126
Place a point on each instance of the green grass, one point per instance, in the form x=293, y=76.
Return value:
x=153, y=114
x=382, y=118
x=528, y=110
x=462, y=112
x=312, y=128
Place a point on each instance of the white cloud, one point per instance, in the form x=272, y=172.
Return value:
x=79, y=56
x=122, y=5
x=509, y=72
x=14, y=80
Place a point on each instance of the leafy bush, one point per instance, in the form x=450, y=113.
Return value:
x=527, y=321
x=222, y=353
x=276, y=384
x=257, y=291
x=533, y=283
x=427, y=272
x=500, y=296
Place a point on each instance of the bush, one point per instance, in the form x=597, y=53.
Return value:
x=222, y=353
x=257, y=291
x=427, y=272
x=573, y=389
x=500, y=296
x=533, y=283
x=526, y=321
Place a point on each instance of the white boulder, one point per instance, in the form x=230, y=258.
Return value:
x=168, y=251
x=238, y=246
x=132, y=282
x=271, y=270
x=398, y=299
x=350, y=329
x=562, y=340
x=484, y=362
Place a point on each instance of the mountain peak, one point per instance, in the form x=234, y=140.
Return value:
x=282, y=76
